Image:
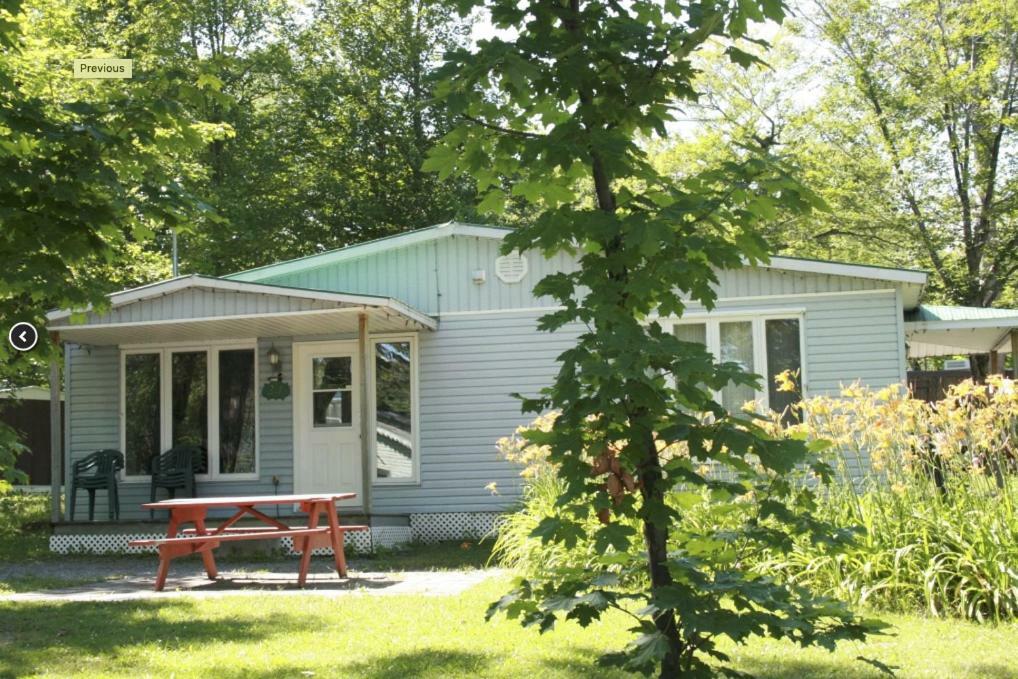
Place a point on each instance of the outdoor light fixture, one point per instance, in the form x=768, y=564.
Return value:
x=273, y=358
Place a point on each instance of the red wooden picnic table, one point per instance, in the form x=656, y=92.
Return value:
x=203, y=540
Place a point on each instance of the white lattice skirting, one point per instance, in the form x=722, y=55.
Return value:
x=382, y=536
x=436, y=527
x=430, y=527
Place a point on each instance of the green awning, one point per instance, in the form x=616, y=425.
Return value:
x=932, y=330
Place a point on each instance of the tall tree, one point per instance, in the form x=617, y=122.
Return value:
x=323, y=109
x=789, y=104
x=86, y=173
x=558, y=110
x=938, y=80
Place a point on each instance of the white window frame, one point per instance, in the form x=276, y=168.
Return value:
x=713, y=321
x=166, y=352
x=415, y=409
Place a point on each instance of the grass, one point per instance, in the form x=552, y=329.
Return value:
x=440, y=556
x=24, y=527
x=393, y=637
x=34, y=583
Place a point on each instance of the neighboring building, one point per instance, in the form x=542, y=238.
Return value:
x=26, y=410
x=400, y=355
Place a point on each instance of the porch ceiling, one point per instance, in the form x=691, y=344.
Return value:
x=946, y=331
x=198, y=309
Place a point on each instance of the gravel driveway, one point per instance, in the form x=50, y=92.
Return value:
x=112, y=578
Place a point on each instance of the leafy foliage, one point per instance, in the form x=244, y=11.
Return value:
x=558, y=111
x=902, y=116
x=85, y=174
x=327, y=107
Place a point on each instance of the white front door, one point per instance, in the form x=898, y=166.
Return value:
x=326, y=418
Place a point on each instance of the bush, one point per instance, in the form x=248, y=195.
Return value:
x=20, y=512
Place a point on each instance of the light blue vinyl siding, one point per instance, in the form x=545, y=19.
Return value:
x=468, y=369
x=436, y=277
x=204, y=303
x=94, y=391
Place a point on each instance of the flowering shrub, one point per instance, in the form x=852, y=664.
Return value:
x=931, y=488
x=928, y=489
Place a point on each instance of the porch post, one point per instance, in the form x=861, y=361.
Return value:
x=995, y=366
x=55, y=430
x=365, y=419
x=1014, y=353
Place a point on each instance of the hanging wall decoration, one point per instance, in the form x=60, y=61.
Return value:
x=275, y=389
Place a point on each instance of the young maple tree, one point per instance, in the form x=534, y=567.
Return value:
x=554, y=116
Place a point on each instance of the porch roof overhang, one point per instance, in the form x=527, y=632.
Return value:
x=202, y=308
x=949, y=330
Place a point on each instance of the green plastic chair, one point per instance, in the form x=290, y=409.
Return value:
x=98, y=471
x=175, y=469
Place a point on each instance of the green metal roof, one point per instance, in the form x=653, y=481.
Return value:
x=931, y=312
x=327, y=254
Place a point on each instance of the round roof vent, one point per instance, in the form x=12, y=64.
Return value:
x=511, y=268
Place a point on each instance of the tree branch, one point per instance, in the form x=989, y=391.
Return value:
x=502, y=130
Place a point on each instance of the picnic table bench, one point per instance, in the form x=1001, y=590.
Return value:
x=202, y=540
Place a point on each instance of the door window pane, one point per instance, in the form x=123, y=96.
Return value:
x=737, y=347
x=189, y=403
x=332, y=391
x=332, y=408
x=331, y=372
x=394, y=441
x=783, y=353
x=236, y=411
x=142, y=424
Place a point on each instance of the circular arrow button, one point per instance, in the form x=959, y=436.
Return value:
x=23, y=336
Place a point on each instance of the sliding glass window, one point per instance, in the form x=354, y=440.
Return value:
x=237, y=411
x=189, y=398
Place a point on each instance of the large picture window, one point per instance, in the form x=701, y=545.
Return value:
x=143, y=426
x=394, y=410
x=766, y=346
x=237, y=411
x=202, y=396
x=189, y=402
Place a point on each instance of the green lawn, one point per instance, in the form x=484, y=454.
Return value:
x=396, y=637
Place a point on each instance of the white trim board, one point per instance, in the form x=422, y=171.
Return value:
x=912, y=276
x=194, y=281
x=694, y=308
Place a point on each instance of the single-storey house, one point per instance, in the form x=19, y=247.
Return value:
x=385, y=368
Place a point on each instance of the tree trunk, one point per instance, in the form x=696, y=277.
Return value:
x=656, y=539
x=979, y=364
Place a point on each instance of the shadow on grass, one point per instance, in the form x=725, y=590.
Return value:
x=36, y=637
x=821, y=669
x=420, y=556
x=810, y=669
x=422, y=663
